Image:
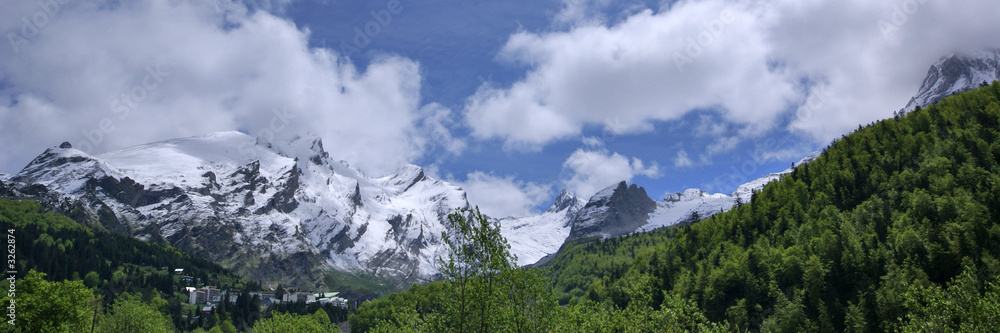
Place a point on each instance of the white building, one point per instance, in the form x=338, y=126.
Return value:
x=203, y=295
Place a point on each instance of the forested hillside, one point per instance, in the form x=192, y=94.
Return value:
x=894, y=228
x=72, y=278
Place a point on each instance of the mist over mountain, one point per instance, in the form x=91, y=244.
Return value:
x=956, y=73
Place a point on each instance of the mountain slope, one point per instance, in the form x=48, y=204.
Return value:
x=73, y=249
x=534, y=237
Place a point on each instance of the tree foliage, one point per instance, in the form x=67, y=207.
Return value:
x=317, y=322
x=43, y=306
x=131, y=315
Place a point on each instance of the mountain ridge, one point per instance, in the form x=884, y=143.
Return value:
x=233, y=198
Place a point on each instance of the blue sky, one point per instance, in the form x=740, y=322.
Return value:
x=512, y=100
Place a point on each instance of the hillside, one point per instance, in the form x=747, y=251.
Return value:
x=63, y=249
x=64, y=266
x=893, y=228
x=864, y=237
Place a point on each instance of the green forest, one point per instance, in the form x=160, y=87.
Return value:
x=73, y=278
x=893, y=228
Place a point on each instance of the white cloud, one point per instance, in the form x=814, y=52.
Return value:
x=826, y=62
x=504, y=196
x=626, y=76
x=188, y=68
x=863, y=75
x=436, y=121
x=593, y=142
x=682, y=160
x=581, y=12
x=593, y=170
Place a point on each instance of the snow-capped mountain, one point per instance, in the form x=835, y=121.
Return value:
x=689, y=206
x=285, y=213
x=955, y=74
x=623, y=209
x=617, y=210
x=745, y=192
x=534, y=237
x=272, y=213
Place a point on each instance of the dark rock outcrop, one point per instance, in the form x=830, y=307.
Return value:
x=623, y=211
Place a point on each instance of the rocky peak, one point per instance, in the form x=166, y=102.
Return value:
x=615, y=211
x=955, y=74
x=621, y=194
x=404, y=178
x=63, y=165
x=564, y=200
x=307, y=147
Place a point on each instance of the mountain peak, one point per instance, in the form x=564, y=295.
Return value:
x=307, y=147
x=956, y=73
x=404, y=178
x=614, y=211
x=607, y=192
x=56, y=156
x=564, y=200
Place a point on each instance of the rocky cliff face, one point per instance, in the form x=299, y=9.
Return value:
x=616, y=210
x=955, y=74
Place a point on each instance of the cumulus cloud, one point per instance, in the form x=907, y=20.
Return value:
x=110, y=75
x=826, y=65
x=593, y=170
x=503, y=196
x=627, y=76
